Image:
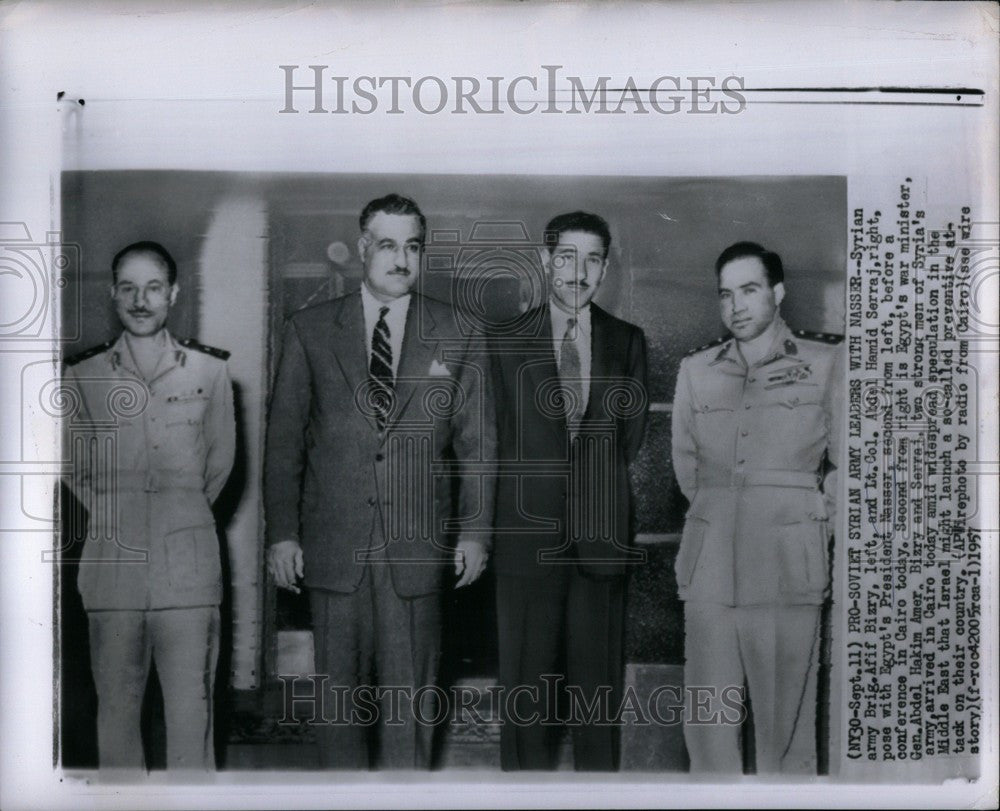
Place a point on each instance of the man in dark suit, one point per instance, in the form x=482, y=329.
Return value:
x=375, y=392
x=571, y=406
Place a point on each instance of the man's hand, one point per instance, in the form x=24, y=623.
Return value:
x=470, y=561
x=284, y=564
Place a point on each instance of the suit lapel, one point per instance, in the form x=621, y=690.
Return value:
x=543, y=366
x=602, y=360
x=420, y=343
x=349, y=343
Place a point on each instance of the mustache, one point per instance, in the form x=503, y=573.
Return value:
x=585, y=285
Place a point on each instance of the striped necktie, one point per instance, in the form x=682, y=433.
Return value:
x=570, y=376
x=380, y=371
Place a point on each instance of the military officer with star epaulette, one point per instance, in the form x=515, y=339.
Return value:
x=151, y=440
x=756, y=431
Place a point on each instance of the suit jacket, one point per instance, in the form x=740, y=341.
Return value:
x=748, y=449
x=562, y=498
x=350, y=493
x=148, y=459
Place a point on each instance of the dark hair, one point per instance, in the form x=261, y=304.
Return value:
x=740, y=250
x=393, y=204
x=152, y=250
x=577, y=221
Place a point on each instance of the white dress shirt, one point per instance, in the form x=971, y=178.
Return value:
x=580, y=336
x=395, y=319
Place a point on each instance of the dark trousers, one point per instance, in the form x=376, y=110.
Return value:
x=373, y=637
x=536, y=616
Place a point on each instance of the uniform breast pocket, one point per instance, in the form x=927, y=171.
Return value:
x=706, y=409
x=714, y=419
x=185, y=415
x=192, y=555
x=790, y=397
x=692, y=540
x=802, y=557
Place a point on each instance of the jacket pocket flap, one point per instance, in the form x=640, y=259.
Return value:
x=692, y=540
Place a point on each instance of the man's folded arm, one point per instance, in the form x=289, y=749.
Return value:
x=220, y=427
x=284, y=459
x=77, y=466
x=834, y=410
x=683, y=449
x=635, y=428
x=475, y=444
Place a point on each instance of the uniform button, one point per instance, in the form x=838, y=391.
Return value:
x=156, y=447
x=371, y=501
x=379, y=457
x=744, y=433
x=742, y=462
x=747, y=406
x=753, y=380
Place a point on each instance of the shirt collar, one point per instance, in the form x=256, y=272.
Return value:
x=120, y=354
x=560, y=320
x=372, y=306
x=782, y=345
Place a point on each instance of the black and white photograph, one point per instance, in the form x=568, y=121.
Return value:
x=281, y=251
x=392, y=420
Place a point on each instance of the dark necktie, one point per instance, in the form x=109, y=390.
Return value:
x=380, y=371
x=570, y=376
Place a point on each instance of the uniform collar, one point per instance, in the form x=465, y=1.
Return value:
x=783, y=345
x=121, y=359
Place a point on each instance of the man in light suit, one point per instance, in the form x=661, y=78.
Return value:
x=151, y=442
x=756, y=433
x=375, y=391
x=571, y=406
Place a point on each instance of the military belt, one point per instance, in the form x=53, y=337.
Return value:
x=758, y=478
x=153, y=481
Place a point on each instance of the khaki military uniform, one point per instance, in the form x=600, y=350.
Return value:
x=148, y=459
x=752, y=448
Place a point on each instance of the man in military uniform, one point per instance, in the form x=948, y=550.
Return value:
x=756, y=422
x=151, y=442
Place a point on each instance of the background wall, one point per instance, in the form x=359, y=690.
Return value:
x=287, y=240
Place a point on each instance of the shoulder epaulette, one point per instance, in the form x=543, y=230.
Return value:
x=709, y=345
x=822, y=337
x=191, y=343
x=88, y=353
